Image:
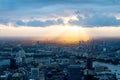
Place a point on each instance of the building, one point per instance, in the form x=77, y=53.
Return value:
x=89, y=63
x=35, y=73
x=75, y=72
x=13, y=64
x=20, y=56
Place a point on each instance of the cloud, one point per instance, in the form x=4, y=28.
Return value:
x=31, y=22
x=20, y=23
x=3, y=21
x=14, y=11
x=96, y=21
x=38, y=23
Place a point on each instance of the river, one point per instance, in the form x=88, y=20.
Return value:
x=113, y=68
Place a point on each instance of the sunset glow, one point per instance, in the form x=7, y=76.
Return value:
x=65, y=34
x=72, y=34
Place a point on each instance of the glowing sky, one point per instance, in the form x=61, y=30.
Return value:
x=60, y=20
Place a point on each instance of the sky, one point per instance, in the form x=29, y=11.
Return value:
x=60, y=20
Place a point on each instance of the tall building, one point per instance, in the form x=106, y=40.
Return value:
x=89, y=72
x=89, y=63
x=75, y=72
x=20, y=56
x=35, y=73
x=13, y=64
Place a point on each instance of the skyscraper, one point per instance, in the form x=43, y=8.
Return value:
x=13, y=64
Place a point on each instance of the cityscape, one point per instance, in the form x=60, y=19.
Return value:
x=92, y=60
x=59, y=40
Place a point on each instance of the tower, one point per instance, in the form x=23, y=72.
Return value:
x=88, y=72
x=13, y=64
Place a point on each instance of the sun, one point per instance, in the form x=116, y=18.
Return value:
x=66, y=34
x=72, y=34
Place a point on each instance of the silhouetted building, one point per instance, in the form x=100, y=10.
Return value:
x=13, y=64
x=89, y=72
x=75, y=72
x=89, y=63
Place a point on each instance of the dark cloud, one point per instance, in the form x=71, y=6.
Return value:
x=38, y=23
x=20, y=23
x=18, y=10
x=33, y=23
x=96, y=21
